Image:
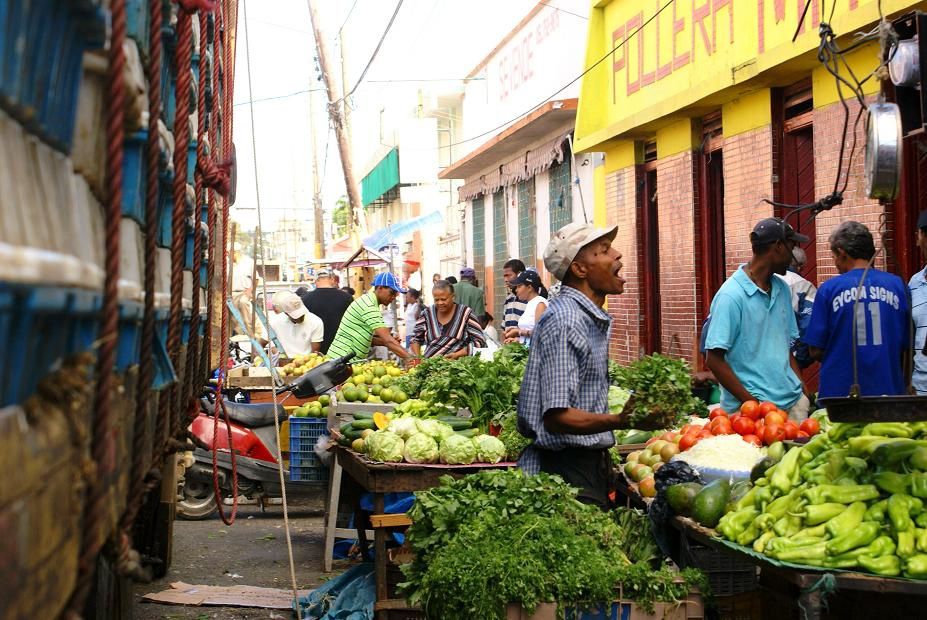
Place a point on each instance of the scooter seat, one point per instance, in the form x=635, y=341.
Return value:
x=251, y=415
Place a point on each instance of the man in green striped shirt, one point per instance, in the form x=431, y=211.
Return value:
x=363, y=325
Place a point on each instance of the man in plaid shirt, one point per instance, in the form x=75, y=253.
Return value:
x=563, y=404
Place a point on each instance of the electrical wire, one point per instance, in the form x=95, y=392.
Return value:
x=275, y=97
x=376, y=51
x=347, y=17
x=260, y=241
x=557, y=8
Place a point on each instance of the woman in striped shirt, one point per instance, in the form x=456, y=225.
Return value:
x=446, y=329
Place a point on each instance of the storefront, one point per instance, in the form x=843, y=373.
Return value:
x=705, y=112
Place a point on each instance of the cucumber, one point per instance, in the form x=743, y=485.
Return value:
x=458, y=424
x=363, y=424
x=363, y=415
x=344, y=441
x=468, y=432
x=353, y=434
x=636, y=437
x=346, y=428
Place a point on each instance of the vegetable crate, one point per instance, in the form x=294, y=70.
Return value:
x=689, y=609
x=727, y=573
x=305, y=466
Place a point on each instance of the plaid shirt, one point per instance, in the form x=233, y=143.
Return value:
x=567, y=367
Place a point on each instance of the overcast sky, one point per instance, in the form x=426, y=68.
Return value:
x=430, y=40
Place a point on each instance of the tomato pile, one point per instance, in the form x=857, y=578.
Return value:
x=757, y=423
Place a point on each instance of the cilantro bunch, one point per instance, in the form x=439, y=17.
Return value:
x=662, y=389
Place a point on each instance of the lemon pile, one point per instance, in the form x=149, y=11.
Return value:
x=302, y=364
x=315, y=409
x=371, y=383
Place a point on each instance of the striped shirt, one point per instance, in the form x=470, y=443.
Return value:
x=461, y=331
x=918, y=288
x=513, y=309
x=567, y=367
x=357, y=326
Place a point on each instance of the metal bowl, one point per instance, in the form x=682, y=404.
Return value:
x=883, y=151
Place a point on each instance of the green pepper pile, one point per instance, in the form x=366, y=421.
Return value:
x=852, y=498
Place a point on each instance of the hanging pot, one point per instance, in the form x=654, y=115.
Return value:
x=883, y=151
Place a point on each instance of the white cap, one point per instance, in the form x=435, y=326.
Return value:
x=566, y=243
x=290, y=304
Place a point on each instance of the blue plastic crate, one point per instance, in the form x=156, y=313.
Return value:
x=191, y=160
x=85, y=310
x=134, y=176
x=304, y=459
x=304, y=433
x=165, y=210
x=195, y=65
x=137, y=14
x=185, y=329
x=7, y=308
x=204, y=273
x=308, y=474
x=130, y=334
x=162, y=324
x=188, y=252
x=164, y=374
x=39, y=332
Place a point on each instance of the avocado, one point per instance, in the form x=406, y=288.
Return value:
x=759, y=470
x=680, y=497
x=708, y=505
x=738, y=490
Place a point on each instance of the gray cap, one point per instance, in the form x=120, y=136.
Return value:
x=566, y=243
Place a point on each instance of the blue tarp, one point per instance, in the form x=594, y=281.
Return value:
x=394, y=503
x=349, y=596
x=397, y=233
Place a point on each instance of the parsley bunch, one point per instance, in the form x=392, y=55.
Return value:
x=662, y=389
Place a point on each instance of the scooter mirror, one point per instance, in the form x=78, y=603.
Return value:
x=322, y=378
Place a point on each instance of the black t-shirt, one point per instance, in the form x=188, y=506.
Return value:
x=329, y=304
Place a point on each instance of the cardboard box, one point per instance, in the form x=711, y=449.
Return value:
x=689, y=609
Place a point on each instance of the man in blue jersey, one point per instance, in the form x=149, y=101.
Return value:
x=880, y=332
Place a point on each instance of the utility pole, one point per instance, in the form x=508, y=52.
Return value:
x=345, y=108
x=357, y=220
x=318, y=218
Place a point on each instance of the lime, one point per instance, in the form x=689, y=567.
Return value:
x=375, y=390
x=352, y=394
x=379, y=371
x=325, y=400
x=386, y=395
x=386, y=380
x=399, y=397
x=325, y=411
x=361, y=395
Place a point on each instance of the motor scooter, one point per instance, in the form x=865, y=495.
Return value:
x=254, y=442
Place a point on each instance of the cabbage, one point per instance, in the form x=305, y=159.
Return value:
x=439, y=431
x=617, y=398
x=421, y=448
x=385, y=446
x=404, y=427
x=457, y=450
x=489, y=449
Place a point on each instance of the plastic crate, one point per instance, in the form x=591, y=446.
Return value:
x=308, y=474
x=165, y=210
x=130, y=334
x=134, y=176
x=138, y=20
x=191, y=160
x=727, y=573
x=85, y=310
x=305, y=466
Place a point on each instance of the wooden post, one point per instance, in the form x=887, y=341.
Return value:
x=316, y=186
x=357, y=218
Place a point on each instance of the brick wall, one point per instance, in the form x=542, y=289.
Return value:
x=624, y=341
x=676, y=198
x=828, y=129
x=748, y=171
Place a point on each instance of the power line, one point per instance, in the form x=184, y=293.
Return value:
x=297, y=93
x=347, y=17
x=376, y=50
x=557, y=8
x=464, y=79
x=564, y=87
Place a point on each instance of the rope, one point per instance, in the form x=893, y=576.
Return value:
x=103, y=444
x=183, y=61
x=128, y=558
x=260, y=243
x=228, y=76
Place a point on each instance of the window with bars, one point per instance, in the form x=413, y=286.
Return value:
x=527, y=228
x=500, y=251
x=561, y=194
x=479, y=235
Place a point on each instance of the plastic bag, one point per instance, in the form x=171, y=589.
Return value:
x=322, y=445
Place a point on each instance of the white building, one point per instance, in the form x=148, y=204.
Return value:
x=521, y=181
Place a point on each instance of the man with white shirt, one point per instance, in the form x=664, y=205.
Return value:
x=299, y=331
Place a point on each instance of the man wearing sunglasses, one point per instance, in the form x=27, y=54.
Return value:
x=752, y=327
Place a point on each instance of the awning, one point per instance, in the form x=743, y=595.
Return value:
x=514, y=171
x=396, y=233
x=551, y=118
x=469, y=191
x=546, y=155
x=492, y=182
x=383, y=178
x=363, y=257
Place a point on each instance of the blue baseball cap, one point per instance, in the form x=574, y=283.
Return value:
x=388, y=280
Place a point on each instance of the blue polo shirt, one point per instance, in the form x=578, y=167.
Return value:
x=918, y=288
x=881, y=333
x=755, y=328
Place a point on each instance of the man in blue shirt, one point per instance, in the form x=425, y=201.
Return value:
x=563, y=405
x=752, y=326
x=878, y=301
x=918, y=288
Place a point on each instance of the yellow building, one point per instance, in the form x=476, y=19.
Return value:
x=705, y=110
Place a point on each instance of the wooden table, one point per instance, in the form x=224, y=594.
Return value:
x=381, y=478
